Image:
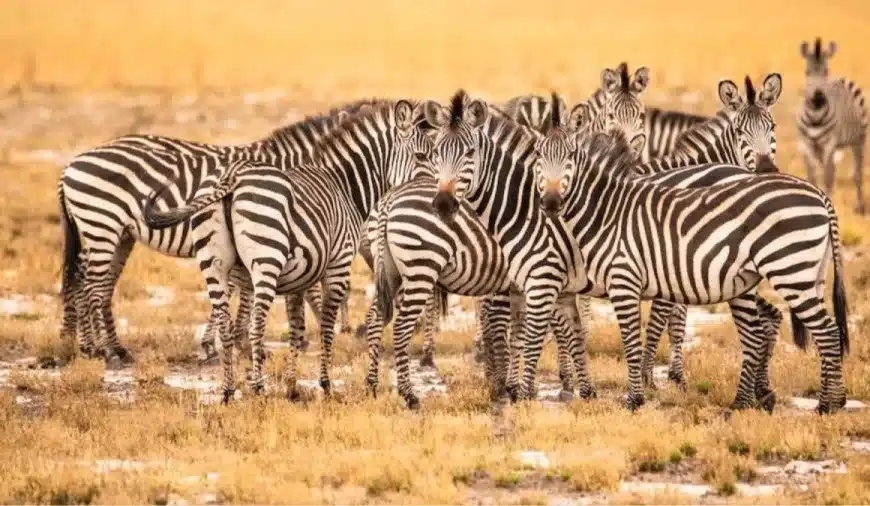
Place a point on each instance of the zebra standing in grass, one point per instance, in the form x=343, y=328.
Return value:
x=100, y=196
x=417, y=250
x=642, y=240
x=292, y=229
x=833, y=116
x=742, y=134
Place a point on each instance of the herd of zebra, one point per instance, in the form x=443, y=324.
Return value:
x=532, y=206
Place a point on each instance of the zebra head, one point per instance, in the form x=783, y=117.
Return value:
x=606, y=153
x=623, y=108
x=555, y=153
x=456, y=137
x=412, y=147
x=751, y=121
x=815, y=92
x=562, y=156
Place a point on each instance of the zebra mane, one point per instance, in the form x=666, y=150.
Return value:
x=608, y=152
x=457, y=108
x=380, y=107
x=322, y=121
x=750, y=92
x=817, y=51
x=623, y=76
x=555, y=113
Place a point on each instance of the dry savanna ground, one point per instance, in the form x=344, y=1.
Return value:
x=77, y=73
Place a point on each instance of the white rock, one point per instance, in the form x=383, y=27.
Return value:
x=860, y=446
x=16, y=305
x=811, y=404
x=534, y=459
x=654, y=487
x=805, y=467
x=160, y=295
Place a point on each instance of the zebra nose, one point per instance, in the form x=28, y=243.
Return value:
x=818, y=100
x=551, y=203
x=445, y=206
x=765, y=165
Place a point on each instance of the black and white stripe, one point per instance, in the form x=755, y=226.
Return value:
x=642, y=240
x=101, y=191
x=833, y=116
x=292, y=229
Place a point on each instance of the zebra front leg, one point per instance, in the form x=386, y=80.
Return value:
x=626, y=304
x=480, y=307
x=516, y=345
x=578, y=312
x=335, y=287
x=296, y=327
x=677, y=334
x=810, y=164
x=494, y=341
x=566, y=344
x=830, y=171
x=539, y=308
x=770, y=318
x=858, y=177
x=344, y=314
x=430, y=328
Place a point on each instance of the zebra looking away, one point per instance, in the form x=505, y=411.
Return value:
x=833, y=116
x=292, y=229
x=101, y=193
x=642, y=240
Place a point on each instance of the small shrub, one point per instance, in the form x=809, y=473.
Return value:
x=704, y=387
x=507, y=480
x=727, y=489
x=738, y=448
x=676, y=457
x=688, y=449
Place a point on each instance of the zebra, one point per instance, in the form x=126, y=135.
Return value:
x=292, y=229
x=642, y=240
x=663, y=128
x=100, y=194
x=833, y=116
x=417, y=250
x=742, y=134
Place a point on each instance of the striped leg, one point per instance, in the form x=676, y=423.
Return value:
x=264, y=276
x=659, y=315
x=415, y=295
x=296, y=325
x=242, y=323
x=566, y=344
x=578, y=312
x=858, y=177
x=744, y=311
x=480, y=307
x=431, y=327
x=374, y=327
x=625, y=296
x=830, y=170
x=517, y=344
x=677, y=334
x=770, y=318
x=810, y=164
x=335, y=286
x=494, y=330
x=98, y=287
x=663, y=313
x=539, y=307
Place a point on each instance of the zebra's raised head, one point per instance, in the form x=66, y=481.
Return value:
x=555, y=150
x=456, y=137
x=610, y=152
x=623, y=108
x=816, y=90
x=752, y=121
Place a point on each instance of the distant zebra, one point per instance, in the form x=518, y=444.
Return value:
x=833, y=116
x=702, y=246
x=101, y=192
x=293, y=229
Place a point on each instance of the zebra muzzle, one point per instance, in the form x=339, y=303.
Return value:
x=765, y=165
x=552, y=202
x=445, y=205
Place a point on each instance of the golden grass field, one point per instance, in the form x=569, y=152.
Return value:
x=80, y=72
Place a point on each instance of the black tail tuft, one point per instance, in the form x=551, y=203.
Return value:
x=799, y=332
x=841, y=312
x=72, y=245
x=441, y=293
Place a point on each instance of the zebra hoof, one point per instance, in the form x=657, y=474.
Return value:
x=678, y=380
x=647, y=378
x=228, y=395
x=740, y=405
x=859, y=209
x=326, y=386
x=294, y=396
x=767, y=401
x=413, y=402
x=427, y=361
x=303, y=344
x=566, y=395
x=346, y=329
x=115, y=362
x=588, y=392
x=258, y=388
x=634, y=402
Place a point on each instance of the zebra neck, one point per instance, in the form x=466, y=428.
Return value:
x=295, y=144
x=595, y=203
x=712, y=141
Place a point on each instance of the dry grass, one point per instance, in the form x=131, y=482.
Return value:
x=99, y=53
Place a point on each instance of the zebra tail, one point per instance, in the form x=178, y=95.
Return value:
x=841, y=311
x=441, y=293
x=385, y=271
x=162, y=219
x=799, y=332
x=72, y=245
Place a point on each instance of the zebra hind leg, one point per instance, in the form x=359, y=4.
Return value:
x=858, y=177
x=580, y=313
x=413, y=302
x=539, y=308
x=296, y=326
x=122, y=254
x=335, y=288
x=431, y=327
x=264, y=278
x=659, y=316
x=626, y=305
x=770, y=317
x=566, y=344
x=744, y=311
x=677, y=333
x=494, y=343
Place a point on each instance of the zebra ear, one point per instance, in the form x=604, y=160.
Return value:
x=636, y=144
x=404, y=114
x=578, y=118
x=805, y=49
x=435, y=114
x=342, y=116
x=832, y=48
x=610, y=81
x=770, y=90
x=641, y=80
x=476, y=113
x=729, y=95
